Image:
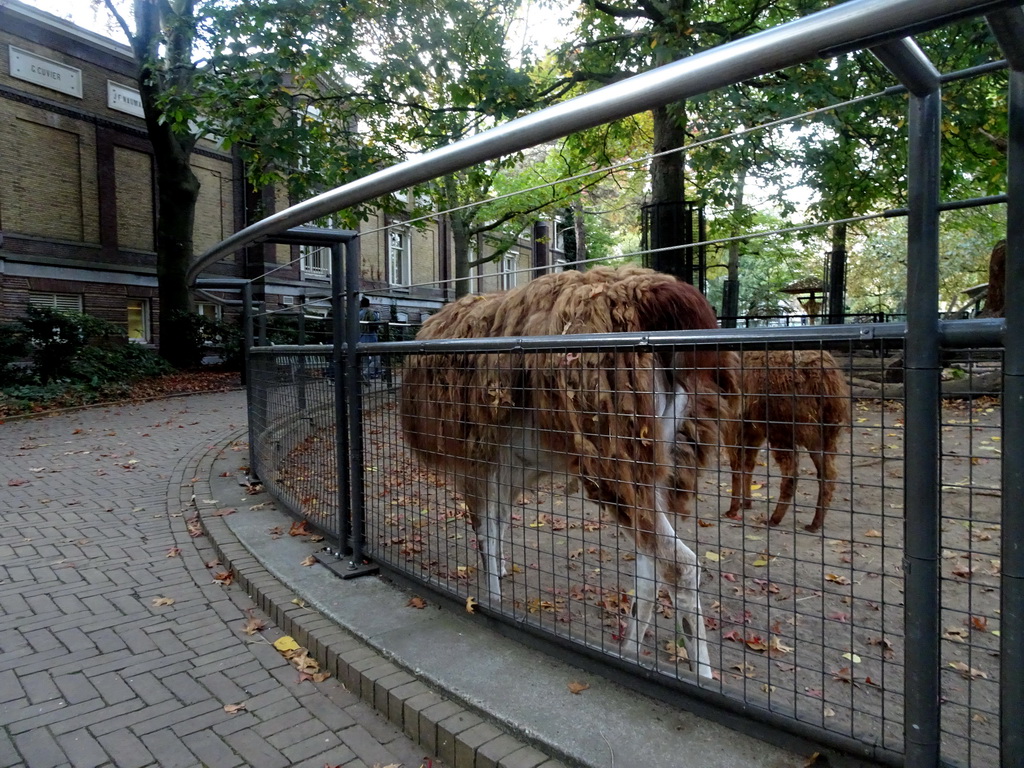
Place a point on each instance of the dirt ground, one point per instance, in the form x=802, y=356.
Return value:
x=806, y=625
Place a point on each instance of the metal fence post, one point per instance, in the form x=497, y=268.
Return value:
x=250, y=387
x=356, y=566
x=1008, y=27
x=340, y=362
x=921, y=503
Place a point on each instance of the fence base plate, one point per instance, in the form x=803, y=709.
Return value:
x=345, y=567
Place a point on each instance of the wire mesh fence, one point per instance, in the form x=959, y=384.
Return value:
x=806, y=625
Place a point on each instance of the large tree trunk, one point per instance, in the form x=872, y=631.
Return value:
x=837, y=276
x=731, y=289
x=177, y=193
x=668, y=193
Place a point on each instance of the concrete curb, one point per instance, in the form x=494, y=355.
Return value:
x=459, y=736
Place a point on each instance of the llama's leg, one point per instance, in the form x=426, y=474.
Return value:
x=488, y=538
x=677, y=567
x=786, y=458
x=736, y=463
x=825, y=464
x=642, y=610
x=742, y=476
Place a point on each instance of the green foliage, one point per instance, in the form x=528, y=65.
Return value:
x=55, y=338
x=13, y=350
x=107, y=365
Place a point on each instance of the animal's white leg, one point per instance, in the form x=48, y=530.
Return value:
x=489, y=540
x=642, y=610
x=678, y=566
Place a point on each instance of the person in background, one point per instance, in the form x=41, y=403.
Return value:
x=369, y=323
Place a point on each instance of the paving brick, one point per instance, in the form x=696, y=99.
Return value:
x=430, y=717
x=411, y=712
x=40, y=749
x=448, y=731
x=397, y=698
x=112, y=688
x=367, y=748
x=256, y=751
x=339, y=755
x=9, y=756
x=55, y=716
x=168, y=750
x=382, y=688
x=76, y=688
x=470, y=741
x=211, y=750
x=184, y=688
x=82, y=749
x=527, y=757
x=300, y=731
x=326, y=711
x=125, y=750
x=39, y=687
x=148, y=688
x=494, y=751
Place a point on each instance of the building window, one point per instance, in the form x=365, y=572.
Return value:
x=63, y=302
x=210, y=311
x=399, y=255
x=138, y=321
x=316, y=259
x=509, y=266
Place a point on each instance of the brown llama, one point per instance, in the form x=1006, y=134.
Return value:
x=500, y=422
x=792, y=399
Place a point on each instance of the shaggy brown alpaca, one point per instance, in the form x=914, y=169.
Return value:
x=499, y=422
x=792, y=399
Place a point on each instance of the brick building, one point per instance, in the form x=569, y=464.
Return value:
x=78, y=203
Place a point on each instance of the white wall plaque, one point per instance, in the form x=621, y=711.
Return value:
x=124, y=99
x=37, y=69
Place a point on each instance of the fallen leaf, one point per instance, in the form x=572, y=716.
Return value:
x=417, y=602
x=471, y=604
x=979, y=623
x=224, y=511
x=578, y=688
x=232, y=709
x=159, y=601
x=712, y=556
x=309, y=560
x=212, y=563
x=836, y=579
x=963, y=571
x=224, y=577
x=967, y=672
x=286, y=643
x=254, y=625
x=299, y=528
x=852, y=657
x=957, y=634
x=173, y=552
x=873, y=534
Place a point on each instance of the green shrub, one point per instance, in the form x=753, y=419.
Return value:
x=96, y=365
x=13, y=351
x=54, y=339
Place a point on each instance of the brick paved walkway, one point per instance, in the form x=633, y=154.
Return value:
x=92, y=671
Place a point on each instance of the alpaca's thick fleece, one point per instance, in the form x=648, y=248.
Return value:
x=597, y=408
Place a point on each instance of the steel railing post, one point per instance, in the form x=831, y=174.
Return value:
x=340, y=363
x=1008, y=27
